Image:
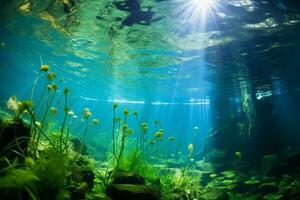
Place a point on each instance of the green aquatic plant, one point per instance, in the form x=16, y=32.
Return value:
x=52, y=169
x=115, y=105
x=49, y=100
x=190, y=149
x=46, y=177
x=144, y=130
x=140, y=153
x=119, y=143
x=130, y=157
x=45, y=171
x=86, y=116
x=238, y=156
x=122, y=144
x=18, y=183
x=50, y=160
x=50, y=88
x=43, y=68
x=156, y=124
x=38, y=122
x=96, y=121
x=178, y=186
x=37, y=131
x=66, y=110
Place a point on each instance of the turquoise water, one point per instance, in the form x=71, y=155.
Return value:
x=157, y=93
x=158, y=63
x=217, y=83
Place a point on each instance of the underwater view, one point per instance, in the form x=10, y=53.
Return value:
x=149, y=100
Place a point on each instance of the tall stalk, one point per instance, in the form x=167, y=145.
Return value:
x=122, y=146
x=137, y=140
x=85, y=129
x=49, y=103
x=66, y=109
x=113, y=130
x=123, y=141
x=42, y=68
x=37, y=127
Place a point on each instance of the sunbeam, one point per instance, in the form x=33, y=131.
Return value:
x=195, y=13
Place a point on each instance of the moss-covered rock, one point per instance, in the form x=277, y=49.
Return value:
x=132, y=192
x=14, y=137
x=124, y=177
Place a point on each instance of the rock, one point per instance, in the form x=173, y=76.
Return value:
x=82, y=177
x=14, y=137
x=88, y=177
x=78, y=146
x=123, y=177
x=81, y=172
x=132, y=192
x=267, y=188
x=78, y=192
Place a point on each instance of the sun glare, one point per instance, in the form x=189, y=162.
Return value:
x=196, y=12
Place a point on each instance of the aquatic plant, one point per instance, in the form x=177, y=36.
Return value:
x=141, y=151
x=238, y=156
x=176, y=186
x=17, y=181
x=49, y=101
x=86, y=116
x=190, y=149
x=51, y=166
x=115, y=105
x=43, y=68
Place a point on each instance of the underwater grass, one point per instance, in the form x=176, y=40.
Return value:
x=50, y=161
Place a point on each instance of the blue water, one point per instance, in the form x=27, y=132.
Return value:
x=96, y=85
x=198, y=81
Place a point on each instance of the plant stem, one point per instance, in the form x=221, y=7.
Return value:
x=113, y=132
x=36, y=80
x=41, y=131
x=34, y=84
x=63, y=124
x=121, y=147
x=85, y=130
